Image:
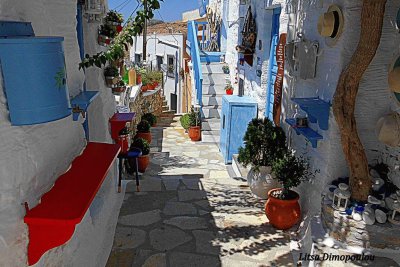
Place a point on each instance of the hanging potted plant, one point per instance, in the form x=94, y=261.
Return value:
x=194, y=122
x=229, y=89
x=119, y=88
x=185, y=122
x=263, y=143
x=225, y=69
x=282, y=207
x=114, y=18
x=111, y=75
x=151, y=118
x=143, y=130
x=106, y=34
x=144, y=159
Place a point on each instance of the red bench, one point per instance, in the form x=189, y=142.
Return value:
x=52, y=222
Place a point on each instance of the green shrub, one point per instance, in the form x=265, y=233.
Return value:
x=142, y=144
x=114, y=16
x=263, y=144
x=290, y=171
x=111, y=71
x=150, y=117
x=185, y=121
x=143, y=127
x=194, y=118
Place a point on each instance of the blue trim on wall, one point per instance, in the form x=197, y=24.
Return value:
x=273, y=67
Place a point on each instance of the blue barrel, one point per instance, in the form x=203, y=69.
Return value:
x=34, y=74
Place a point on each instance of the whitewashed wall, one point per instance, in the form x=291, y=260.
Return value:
x=155, y=49
x=373, y=100
x=233, y=15
x=32, y=157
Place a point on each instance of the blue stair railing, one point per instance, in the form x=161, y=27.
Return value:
x=194, y=50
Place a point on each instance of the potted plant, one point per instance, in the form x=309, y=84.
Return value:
x=106, y=34
x=194, y=122
x=185, y=122
x=119, y=88
x=111, y=75
x=282, y=207
x=144, y=160
x=263, y=143
x=114, y=18
x=225, y=69
x=229, y=89
x=139, y=73
x=151, y=118
x=143, y=130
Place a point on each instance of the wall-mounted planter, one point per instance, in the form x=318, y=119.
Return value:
x=34, y=75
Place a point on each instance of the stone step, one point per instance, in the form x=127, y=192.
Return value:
x=165, y=103
x=238, y=168
x=211, y=112
x=212, y=68
x=212, y=79
x=165, y=108
x=216, y=89
x=168, y=114
x=210, y=137
x=212, y=124
x=212, y=100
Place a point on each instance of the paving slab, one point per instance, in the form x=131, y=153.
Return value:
x=188, y=223
x=141, y=219
x=186, y=195
x=173, y=208
x=179, y=259
x=166, y=238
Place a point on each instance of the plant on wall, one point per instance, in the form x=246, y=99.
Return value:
x=121, y=42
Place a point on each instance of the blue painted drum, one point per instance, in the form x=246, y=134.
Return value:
x=34, y=76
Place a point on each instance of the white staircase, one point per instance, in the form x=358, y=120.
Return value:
x=214, y=82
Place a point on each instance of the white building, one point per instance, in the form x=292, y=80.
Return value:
x=165, y=52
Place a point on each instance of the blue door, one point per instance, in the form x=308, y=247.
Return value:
x=273, y=66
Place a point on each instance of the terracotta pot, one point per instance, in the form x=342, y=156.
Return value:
x=138, y=78
x=144, y=88
x=195, y=133
x=229, y=91
x=282, y=214
x=145, y=136
x=118, y=90
x=143, y=163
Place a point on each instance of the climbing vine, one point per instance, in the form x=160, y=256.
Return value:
x=120, y=44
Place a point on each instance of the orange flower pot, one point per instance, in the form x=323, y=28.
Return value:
x=145, y=136
x=195, y=133
x=144, y=88
x=143, y=163
x=282, y=214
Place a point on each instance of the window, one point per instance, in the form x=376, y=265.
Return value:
x=160, y=61
x=138, y=58
x=171, y=66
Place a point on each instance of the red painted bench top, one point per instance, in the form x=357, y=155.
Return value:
x=52, y=222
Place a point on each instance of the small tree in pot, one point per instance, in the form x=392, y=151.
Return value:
x=185, y=121
x=194, y=122
x=143, y=130
x=263, y=143
x=144, y=160
x=282, y=207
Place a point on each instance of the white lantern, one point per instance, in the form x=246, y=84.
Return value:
x=341, y=197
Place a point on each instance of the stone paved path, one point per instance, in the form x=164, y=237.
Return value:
x=191, y=213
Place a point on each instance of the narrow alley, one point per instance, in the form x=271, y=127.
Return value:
x=190, y=212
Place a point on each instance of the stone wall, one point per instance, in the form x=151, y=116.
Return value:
x=148, y=102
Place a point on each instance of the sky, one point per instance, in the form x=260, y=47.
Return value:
x=171, y=10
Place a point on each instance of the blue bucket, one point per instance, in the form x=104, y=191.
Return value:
x=34, y=74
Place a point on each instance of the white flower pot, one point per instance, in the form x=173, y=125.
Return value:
x=261, y=182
